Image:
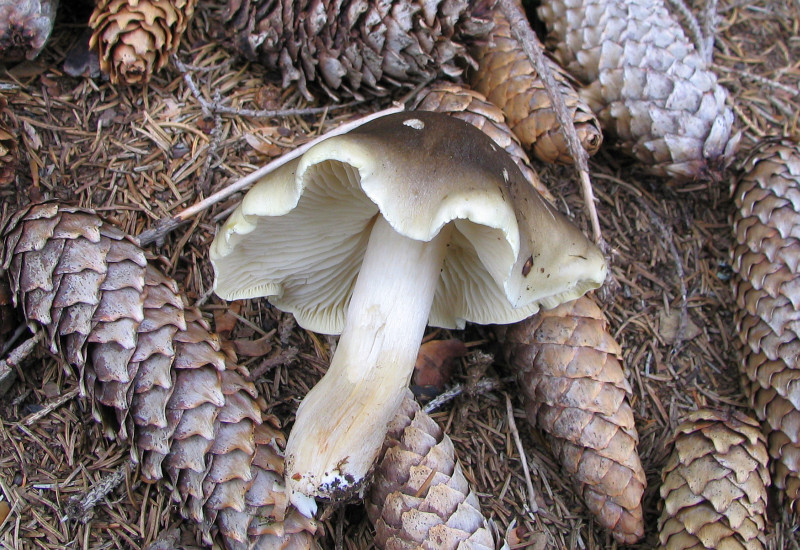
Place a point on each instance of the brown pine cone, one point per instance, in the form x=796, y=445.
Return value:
x=8, y=143
x=646, y=82
x=25, y=26
x=507, y=78
x=134, y=38
x=570, y=372
x=765, y=257
x=154, y=371
x=361, y=48
x=419, y=497
x=714, y=484
x=470, y=106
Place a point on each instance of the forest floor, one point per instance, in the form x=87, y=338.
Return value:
x=140, y=154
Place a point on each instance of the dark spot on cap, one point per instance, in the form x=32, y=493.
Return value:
x=526, y=268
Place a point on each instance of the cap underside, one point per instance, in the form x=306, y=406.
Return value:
x=300, y=233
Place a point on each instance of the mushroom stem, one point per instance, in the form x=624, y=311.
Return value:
x=342, y=422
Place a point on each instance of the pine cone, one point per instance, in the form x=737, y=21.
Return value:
x=25, y=26
x=575, y=390
x=134, y=38
x=472, y=107
x=366, y=48
x=766, y=259
x=507, y=78
x=419, y=497
x=646, y=83
x=8, y=143
x=714, y=484
x=156, y=374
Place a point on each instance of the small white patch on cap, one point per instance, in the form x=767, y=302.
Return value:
x=505, y=175
x=415, y=123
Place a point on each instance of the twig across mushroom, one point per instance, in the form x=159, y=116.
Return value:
x=412, y=219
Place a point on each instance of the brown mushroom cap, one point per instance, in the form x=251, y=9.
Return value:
x=299, y=233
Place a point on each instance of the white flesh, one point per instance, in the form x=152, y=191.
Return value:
x=342, y=421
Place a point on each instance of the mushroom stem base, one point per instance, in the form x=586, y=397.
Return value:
x=342, y=421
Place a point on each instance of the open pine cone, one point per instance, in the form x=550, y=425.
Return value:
x=134, y=38
x=570, y=373
x=507, y=78
x=419, y=496
x=470, y=106
x=155, y=373
x=365, y=48
x=714, y=484
x=766, y=259
x=646, y=82
x=8, y=143
x=25, y=26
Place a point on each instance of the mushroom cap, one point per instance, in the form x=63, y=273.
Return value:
x=299, y=234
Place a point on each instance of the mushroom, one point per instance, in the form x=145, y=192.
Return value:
x=412, y=219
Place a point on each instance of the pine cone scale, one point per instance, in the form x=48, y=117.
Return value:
x=765, y=259
x=507, y=78
x=134, y=38
x=25, y=27
x=646, y=83
x=358, y=49
x=43, y=264
x=577, y=395
x=714, y=484
x=32, y=236
x=155, y=365
x=420, y=497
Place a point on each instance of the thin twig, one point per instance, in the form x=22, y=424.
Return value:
x=20, y=330
x=669, y=238
x=187, y=77
x=210, y=107
x=50, y=407
x=512, y=425
x=758, y=79
x=200, y=302
x=709, y=18
x=339, y=532
x=166, y=225
x=198, y=69
x=692, y=28
x=744, y=118
x=483, y=386
x=80, y=508
x=15, y=358
x=523, y=33
x=204, y=179
x=284, y=357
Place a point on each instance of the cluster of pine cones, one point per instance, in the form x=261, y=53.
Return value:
x=178, y=395
x=670, y=113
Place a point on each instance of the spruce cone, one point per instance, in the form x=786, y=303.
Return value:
x=154, y=371
x=646, y=83
x=361, y=48
x=8, y=143
x=25, y=26
x=134, y=38
x=419, y=497
x=575, y=391
x=714, y=484
x=507, y=78
x=472, y=107
x=766, y=257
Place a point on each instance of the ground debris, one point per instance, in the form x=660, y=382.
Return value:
x=136, y=155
